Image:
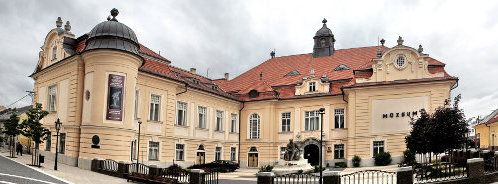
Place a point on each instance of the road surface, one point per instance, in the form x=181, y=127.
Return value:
x=13, y=172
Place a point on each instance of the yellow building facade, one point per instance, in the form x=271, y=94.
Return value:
x=105, y=86
x=486, y=131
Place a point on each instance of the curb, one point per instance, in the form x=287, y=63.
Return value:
x=38, y=170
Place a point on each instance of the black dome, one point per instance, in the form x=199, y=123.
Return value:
x=112, y=35
x=324, y=31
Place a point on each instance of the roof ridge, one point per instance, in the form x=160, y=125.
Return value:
x=195, y=74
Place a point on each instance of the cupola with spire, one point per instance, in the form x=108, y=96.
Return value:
x=324, y=41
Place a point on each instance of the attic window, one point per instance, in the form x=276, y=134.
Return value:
x=341, y=67
x=214, y=87
x=312, y=86
x=54, y=53
x=293, y=73
x=253, y=93
x=195, y=81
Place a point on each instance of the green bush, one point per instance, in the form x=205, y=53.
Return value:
x=382, y=159
x=340, y=165
x=409, y=158
x=174, y=170
x=356, y=161
x=266, y=168
x=317, y=169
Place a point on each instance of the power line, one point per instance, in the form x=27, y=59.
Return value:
x=18, y=100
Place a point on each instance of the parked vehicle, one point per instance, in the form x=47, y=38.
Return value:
x=217, y=166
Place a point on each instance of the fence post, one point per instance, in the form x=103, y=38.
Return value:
x=95, y=165
x=333, y=177
x=122, y=168
x=265, y=177
x=475, y=170
x=153, y=171
x=196, y=176
x=404, y=175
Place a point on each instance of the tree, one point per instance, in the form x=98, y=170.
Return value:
x=32, y=128
x=12, y=129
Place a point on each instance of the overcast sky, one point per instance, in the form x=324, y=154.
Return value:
x=233, y=36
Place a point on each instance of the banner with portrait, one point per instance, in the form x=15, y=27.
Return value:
x=115, y=97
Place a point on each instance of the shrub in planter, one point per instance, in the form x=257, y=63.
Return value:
x=356, y=161
x=174, y=170
x=382, y=159
x=266, y=168
x=341, y=165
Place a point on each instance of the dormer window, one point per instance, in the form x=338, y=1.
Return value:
x=312, y=86
x=341, y=67
x=54, y=53
x=253, y=94
x=400, y=61
x=322, y=42
x=293, y=73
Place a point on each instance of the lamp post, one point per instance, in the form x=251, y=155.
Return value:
x=138, y=144
x=57, y=128
x=321, y=111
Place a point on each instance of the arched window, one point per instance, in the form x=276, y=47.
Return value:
x=254, y=126
x=200, y=148
x=54, y=53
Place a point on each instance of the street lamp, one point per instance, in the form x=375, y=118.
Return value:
x=138, y=144
x=321, y=111
x=57, y=128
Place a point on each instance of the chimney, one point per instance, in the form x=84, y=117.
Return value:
x=227, y=76
x=193, y=70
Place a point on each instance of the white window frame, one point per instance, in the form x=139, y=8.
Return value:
x=202, y=116
x=254, y=126
x=52, y=98
x=180, y=152
x=339, y=118
x=137, y=97
x=233, y=123
x=155, y=107
x=133, y=154
x=312, y=86
x=338, y=148
x=219, y=120
x=285, y=121
x=54, y=52
x=378, y=146
x=181, y=108
x=153, y=150
x=282, y=151
x=218, y=153
x=311, y=120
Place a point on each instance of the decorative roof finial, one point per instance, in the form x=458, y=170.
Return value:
x=67, y=27
x=272, y=53
x=382, y=41
x=324, y=21
x=58, y=23
x=400, y=40
x=420, y=49
x=114, y=13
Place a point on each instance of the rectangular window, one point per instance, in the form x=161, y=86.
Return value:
x=135, y=115
x=338, y=151
x=153, y=150
x=217, y=153
x=233, y=154
x=48, y=142
x=54, y=53
x=233, y=123
x=219, y=121
x=62, y=143
x=180, y=151
x=282, y=152
x=133, y=150
x=155, y=102
x=202, y=116
x=286, y=118
x=181, y=116
x=52, y=98
x=378, y=147
x=339, y=118
x=311, y=120
x=312, y=86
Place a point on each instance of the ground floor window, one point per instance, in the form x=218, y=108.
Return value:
x=233, y=154
x=133, y=150
x=180, y=152
x=378, y=147
x=153, y=150
x=62, y=143
x=339, y=151
x=48, y=143
x=282, y=152
x=217, y=153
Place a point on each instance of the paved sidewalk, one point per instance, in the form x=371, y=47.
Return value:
x=67, y=173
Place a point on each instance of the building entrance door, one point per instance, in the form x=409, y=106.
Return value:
x=201, y=157
x=311, y=152
x=252, y=160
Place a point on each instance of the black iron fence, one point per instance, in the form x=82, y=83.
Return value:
x=138, y=168
x=439, y=172
x=307, y=178
x=110, y=165
x=369, y=176
x=181, y=176
x=211, y=178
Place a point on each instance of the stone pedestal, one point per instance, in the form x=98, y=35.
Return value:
x=404, y=175
x=265, y=177
x=197, y=176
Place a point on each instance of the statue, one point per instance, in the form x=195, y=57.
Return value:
x=292, y=151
